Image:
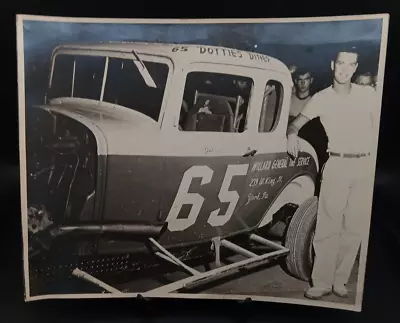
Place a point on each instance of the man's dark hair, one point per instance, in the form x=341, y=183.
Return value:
x=347, y=49
x=301, y=71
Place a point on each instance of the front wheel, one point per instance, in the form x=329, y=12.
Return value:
x=299, y=240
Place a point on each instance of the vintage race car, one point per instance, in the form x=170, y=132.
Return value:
x=149, y=155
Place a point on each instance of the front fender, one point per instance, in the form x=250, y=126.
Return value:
x=297, y=191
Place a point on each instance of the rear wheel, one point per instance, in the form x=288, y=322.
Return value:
x=299, y=240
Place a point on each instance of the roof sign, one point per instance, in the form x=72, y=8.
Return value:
x=226, y=52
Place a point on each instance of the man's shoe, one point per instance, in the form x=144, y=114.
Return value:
x=317, y=292
x=340, y=291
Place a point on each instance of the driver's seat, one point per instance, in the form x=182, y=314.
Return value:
x=219, y=120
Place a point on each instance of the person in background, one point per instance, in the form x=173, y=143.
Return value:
x=302, y=94
x=292, y=70
x=365, y=79
x=348, y=112
x=313, y=132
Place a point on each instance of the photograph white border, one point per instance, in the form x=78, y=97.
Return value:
x=357, y=307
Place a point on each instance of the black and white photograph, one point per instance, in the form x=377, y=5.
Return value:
x=201, y=159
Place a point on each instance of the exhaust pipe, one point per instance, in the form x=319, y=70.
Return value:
x=131, y=232
x=138, y=230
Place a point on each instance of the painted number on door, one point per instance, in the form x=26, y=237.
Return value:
x=196, y=200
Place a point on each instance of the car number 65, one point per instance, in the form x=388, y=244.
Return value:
x=184, y=197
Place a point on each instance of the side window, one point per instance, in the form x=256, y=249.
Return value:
x=88, y=80
x=126, y=87
x=61, y=83
x=271, y=106
x=81, y=76
x=215, y=102
x=77, y=76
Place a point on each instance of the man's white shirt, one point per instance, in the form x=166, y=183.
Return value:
x=349, y=119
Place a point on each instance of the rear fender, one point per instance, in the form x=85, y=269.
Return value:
x=50, y=121
x=96, y=131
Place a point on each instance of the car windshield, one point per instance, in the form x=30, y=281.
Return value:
x=133, y=83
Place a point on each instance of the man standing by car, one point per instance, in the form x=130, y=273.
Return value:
x=348, y=113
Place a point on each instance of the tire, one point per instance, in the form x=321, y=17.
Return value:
x=299, y=240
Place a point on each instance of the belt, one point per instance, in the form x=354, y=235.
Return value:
x=346, y=155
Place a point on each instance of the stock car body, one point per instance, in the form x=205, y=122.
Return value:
x=168, y=152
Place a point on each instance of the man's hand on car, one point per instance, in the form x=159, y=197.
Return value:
x=293, y=145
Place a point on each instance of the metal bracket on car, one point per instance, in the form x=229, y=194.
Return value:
x=252, y=260
x=199, y=278
x=85, y=276
x=167, y=255
x=216, y=246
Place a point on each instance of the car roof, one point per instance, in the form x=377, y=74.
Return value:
x=186, y=52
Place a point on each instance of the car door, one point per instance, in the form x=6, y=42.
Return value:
x=271, y=168
x=206, y=171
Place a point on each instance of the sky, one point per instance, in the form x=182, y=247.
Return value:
x=321, y=32
x=37, y=33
